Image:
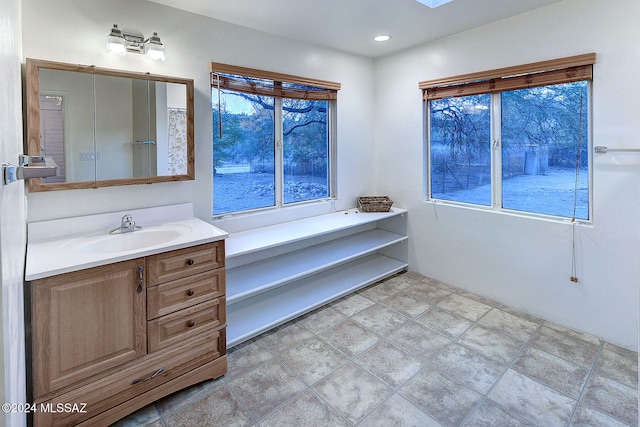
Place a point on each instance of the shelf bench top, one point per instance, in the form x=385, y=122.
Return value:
x=262, y=238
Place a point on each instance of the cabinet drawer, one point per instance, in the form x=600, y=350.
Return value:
x=181, y=325
x=182, y=293
x=121, y=385
x=185, y=262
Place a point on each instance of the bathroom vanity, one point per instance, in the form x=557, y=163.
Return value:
x=119, y=321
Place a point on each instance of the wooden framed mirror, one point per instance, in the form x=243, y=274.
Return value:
x=108, y=127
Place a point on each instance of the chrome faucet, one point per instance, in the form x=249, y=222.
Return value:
x=126, y=226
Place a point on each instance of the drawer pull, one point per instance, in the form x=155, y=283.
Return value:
x=141, y=380
x=191, y=324
x=190, y=292
x=191, y=261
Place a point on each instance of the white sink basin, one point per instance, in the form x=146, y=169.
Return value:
x=133, y=241
x=71, y=244
x=129, y=241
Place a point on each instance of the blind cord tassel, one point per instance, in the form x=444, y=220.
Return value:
x=574, y=274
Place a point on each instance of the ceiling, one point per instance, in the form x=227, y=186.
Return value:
x=350, y=25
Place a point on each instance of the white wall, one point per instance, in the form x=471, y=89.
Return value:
x=523, y=262
x=12, y=217
x=191, y=42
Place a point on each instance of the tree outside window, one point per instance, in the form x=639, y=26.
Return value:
x=538, y=142
x=269, y=151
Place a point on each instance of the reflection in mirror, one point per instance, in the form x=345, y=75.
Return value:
x=51, y=134
x=122, y=127
x=66, y=124
x=106, y=127
x=176, y=139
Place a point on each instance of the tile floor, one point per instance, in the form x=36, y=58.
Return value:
x=410, y=351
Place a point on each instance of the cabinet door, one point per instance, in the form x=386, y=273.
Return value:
x=86, y=322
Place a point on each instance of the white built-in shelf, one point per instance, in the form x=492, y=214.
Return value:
x=277, y=273
x=253, y=316
x=257, y=277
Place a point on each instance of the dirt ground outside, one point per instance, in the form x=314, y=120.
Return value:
x=550, y=193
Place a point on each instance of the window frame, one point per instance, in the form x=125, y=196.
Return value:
x=327, y=90
x=495, y=82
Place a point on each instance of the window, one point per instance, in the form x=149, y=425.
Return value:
x=273, y=139
x=513, y=139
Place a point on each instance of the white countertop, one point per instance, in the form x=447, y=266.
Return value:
x=71, y=244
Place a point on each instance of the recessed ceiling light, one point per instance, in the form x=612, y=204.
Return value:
x=382, y=38
x=433, y=3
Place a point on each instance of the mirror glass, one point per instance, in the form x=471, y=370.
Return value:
x=106, y=127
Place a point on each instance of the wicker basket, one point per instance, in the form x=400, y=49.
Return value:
x=374, y=203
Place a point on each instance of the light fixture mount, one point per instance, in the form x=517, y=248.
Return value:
x=120, y=42
x=135, y=42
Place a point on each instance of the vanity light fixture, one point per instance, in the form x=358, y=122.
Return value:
x=154, y=48
x=116, y=44
x=119, y=43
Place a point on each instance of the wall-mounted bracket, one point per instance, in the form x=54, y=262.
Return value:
x=605, y=149
x=29, y=167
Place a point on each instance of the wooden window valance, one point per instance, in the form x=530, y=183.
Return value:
x=557, y=71
x=258, y=82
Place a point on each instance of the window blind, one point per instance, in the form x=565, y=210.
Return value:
x=557, y=71
x=258, y=82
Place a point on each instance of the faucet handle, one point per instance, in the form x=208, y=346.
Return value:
x=127, y=224
x=127, y=221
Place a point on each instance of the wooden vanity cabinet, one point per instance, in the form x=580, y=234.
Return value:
x=118, y=337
